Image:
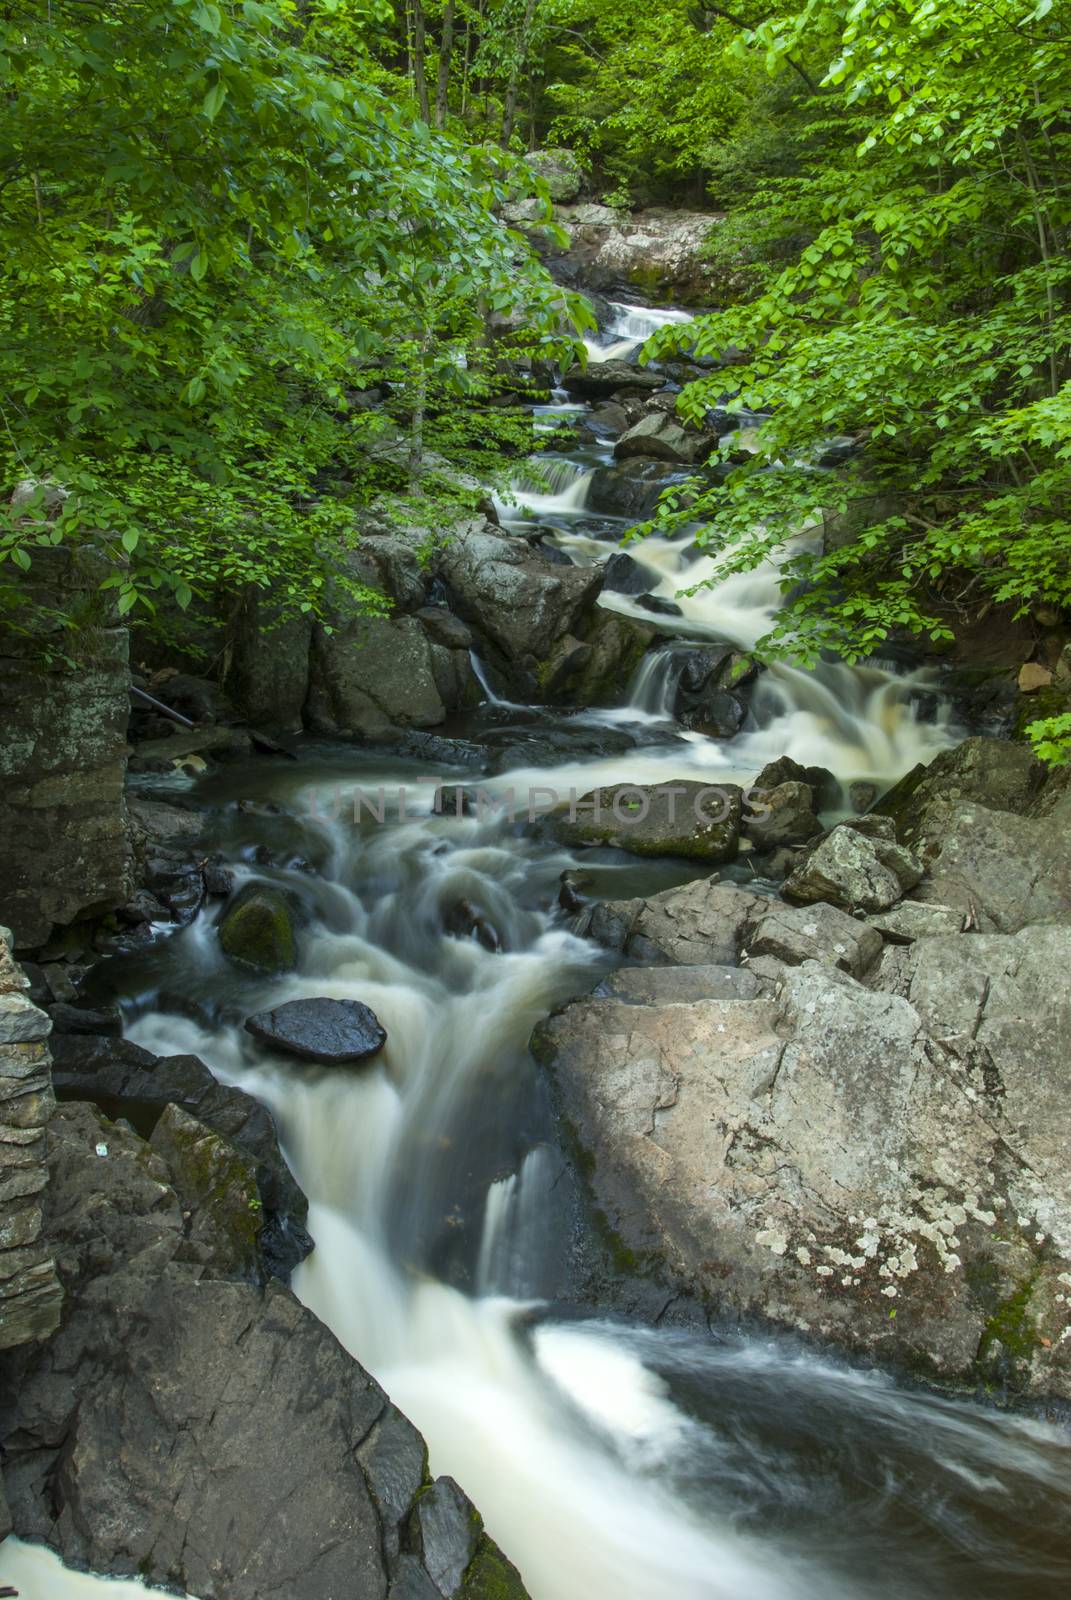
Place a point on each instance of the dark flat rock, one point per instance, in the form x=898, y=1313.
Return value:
x=331, y=1031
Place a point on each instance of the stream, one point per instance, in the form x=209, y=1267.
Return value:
x=611, y=1459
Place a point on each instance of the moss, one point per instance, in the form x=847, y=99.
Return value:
x=1010, y=1325
x=490, y=1576
x=258, y=930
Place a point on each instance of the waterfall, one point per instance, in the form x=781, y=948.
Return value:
x=561, y=489
x=654, y=684
x=630, y=328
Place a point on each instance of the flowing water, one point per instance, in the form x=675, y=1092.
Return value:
x=612, y=1460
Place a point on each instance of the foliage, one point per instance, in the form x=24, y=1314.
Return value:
x=214, y=239
x=1051, y=739
x=922, y=312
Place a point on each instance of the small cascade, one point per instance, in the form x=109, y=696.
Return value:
x=654, y=684
x=556, y=487
x=631, y=327
x=514, y=1218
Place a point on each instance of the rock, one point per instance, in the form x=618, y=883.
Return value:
x=200, y=699
x=177, y=882
x=849, y=869
x=204, y=1434
x=606, y=419
x=658, y=605
x=372, y=673
x=631, y=488
x=692, y=820
x=862, y=795
x=560, y=170
x=444, y=628
x=999, y=870
x=911, y=920
x=258, y=928
x=267, y=667
x=820, y=1159
x=996, y=773
x=716, y=712
x=785, y=815
x=662, y=254
x=331, y=1031
x=661, y=438
x=702, y=924
x=795, y=934
x=21, y=1022
x=167, y=826
x=127, y=1081
x=658, y=986
x=189, y=749
x=820, y=780
x=64, y=851
x=522, y=605
x=86, y=1019
x=623, y=575
x=216, y=1183
x=1033, y=676
x=600, y=379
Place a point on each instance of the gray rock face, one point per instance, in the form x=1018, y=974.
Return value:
x=675, y=819
x=662, y=438
x=331, y=1031
x=64, y=852
x=631, y=488
x=996, y=773
x=30, y=1293
x=372, y=673
x=795, y=934
x=216, y=1183
x=912, y=919
x=999, y=870
x=662, y=253
x=852, y=869
x=831, y=1154
x=131, y=1082
x=520, y=603
x=268, y=669
x=788, y=816
x=702, y=924
x=203, y=1433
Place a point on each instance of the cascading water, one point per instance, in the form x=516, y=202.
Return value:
x=630, y=328
x=611, y=1461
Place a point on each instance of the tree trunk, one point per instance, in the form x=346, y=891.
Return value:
x=420, y=78
x=446, y=50
x=509, y=109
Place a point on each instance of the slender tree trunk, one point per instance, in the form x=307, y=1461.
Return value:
x=446, y=50
x=509, y=108
x=420, y=77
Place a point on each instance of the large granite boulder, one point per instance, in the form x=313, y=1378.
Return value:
x=206, y=1434
x=371, y=673
x=995, y=773
x=662, y=438
x=600, y=379
x=693, y=820
x=851, y=1163
x=999, y=870
x=701, y=924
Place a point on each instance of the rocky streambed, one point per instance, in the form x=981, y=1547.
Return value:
x=711, y=1290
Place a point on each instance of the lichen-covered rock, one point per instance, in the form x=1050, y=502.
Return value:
x=795, y=934
x=259, y=929
x=998, y=870
x=784, y=815
x=216, y=1183
x=829, y=1154
x=857, y=870
x=693, y=820
x=701, y=924
x=662, y=438
x=995, y=773
x=560, y=170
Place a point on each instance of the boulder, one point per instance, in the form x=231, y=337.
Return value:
x=999, y=870
x=795, y=934
x=560, y=170
x=661, y=438
x=825, y=786
x=661, y=254
x=785, y=815
x=631, y=488
x=659, y=986
x=693, y=820
x=817, y=1157
x=913, y=919
x=205, y=1434
x=601, y=379
x=854, y=871
x=701, y=924
x=216, y=1184
x=267, y=665
x=998, y=774
x=331, y=1031
x=371, y=673
x=518, y=602
x=127, y=1081
x=259, y=929
x=623, y=575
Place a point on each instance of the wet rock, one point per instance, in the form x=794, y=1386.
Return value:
x=442, y=1532
x=216, y=1183
x=600, y=379
x=795, y=934
x=820, y=780
x=176, y=882
x=330, y=1031
x=623, y=575
x=166, y=825
x=127, y=1081
x=718, y=713
x=818, y=1157
x=200, y=1433
x=444, y=628
x=86, y=1019
x=631, y=488
x=607, y=419
x=685, y=819
x=259, y=929
x=463, y=920
x=661, y=438
x=862, y=795
x=657, y=604
x=995, y=773
x=701, y=924
x=781, y=816
x=850, y=870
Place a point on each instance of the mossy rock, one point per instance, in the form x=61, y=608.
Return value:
x=259, y=928
x=217, y=1186
x=490, y=1576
